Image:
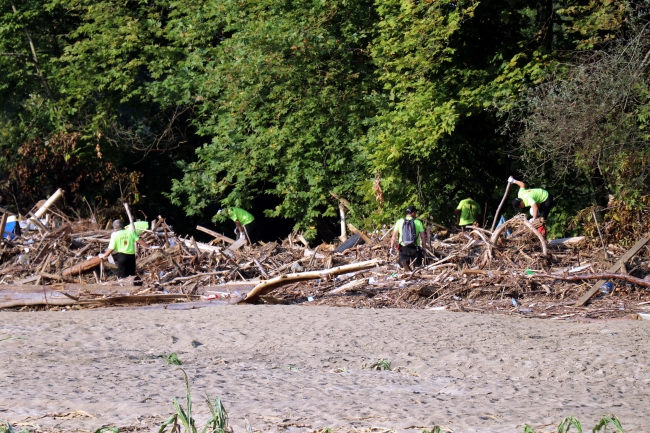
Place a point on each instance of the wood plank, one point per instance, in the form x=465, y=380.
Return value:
x=215, y=235
x=3, y=224
x=237, y=245
x=627, y=256
x=355, y=230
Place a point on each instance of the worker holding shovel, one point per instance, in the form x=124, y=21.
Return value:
x=539, y=200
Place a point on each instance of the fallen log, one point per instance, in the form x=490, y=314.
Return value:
x=267, y=286
x=50, y=201
x=598, y=276
x=80, y=268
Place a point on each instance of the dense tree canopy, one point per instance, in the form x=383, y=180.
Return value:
x=202, y=104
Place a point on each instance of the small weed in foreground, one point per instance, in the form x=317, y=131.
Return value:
x=218, y=422
x=107, y=429
x=571, y=421
x=172, y=359
x=5, y=427
x=382, y=364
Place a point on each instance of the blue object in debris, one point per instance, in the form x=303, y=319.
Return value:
x=12, y=229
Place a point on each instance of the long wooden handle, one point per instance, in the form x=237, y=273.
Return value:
x=503, y=200
x=128, y=212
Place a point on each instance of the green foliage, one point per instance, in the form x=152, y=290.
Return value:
x=381, y=102
x=107, y=429
x=381, y=364
x=282, y=103
x=5, y=427
x=172, y=359
x=218, y=422
x=567, y=423
x=441, y=68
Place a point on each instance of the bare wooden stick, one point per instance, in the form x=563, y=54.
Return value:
x=496, y=215
x=216, y=235
x=128, y=213
x=597, y=276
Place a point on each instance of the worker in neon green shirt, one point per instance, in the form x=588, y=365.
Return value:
x=469, y=212
x=409, y=234
x=539, y=200
x=241, y=218
x=123, y=244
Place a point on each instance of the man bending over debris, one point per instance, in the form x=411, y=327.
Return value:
x=123, y=244
x=241, y=218
x=410, y=234
x=539, y=200
x=469, y=212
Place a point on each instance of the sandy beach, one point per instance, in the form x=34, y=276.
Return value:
x=297, y=368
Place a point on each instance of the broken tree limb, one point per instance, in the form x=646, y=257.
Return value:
x=503, y=200
x=80, y=268
x=50, y=201
x=215, y=235
x=597, y=276
x=267, y=286
x=627, y=256
x=496, y=235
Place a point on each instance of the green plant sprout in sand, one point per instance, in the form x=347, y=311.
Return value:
x=218, y=422
x=382, y=364
x=172, y=359
x=571, y=421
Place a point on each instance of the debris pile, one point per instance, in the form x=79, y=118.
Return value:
x=55, y=264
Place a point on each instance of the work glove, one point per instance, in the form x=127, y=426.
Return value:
x=101, y=256
x=531, y=220
x=511, y=179
x=392, y=251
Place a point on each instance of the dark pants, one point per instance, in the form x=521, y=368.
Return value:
x=410, y=254
x=125, y=265
x=543, y=209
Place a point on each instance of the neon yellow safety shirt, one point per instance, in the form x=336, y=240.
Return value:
x=238, y=214
x=532, y=196
x=123, y=241
x=419, y=228
x=469, y=211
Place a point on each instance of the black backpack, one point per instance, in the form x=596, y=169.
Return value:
x=409, y=237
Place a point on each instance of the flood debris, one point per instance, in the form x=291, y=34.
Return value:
x=54, y=264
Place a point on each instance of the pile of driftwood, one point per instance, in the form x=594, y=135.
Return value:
x=511, y=270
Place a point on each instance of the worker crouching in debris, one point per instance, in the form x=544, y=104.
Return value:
x=241, y=218
x=539, y=200
x=469, y=212
x=409, y=233
x=123, y=244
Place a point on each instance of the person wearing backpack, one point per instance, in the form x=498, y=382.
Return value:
x=409, y=233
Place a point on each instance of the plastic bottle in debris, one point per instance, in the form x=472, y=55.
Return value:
x=607, y=287
x=23, y=259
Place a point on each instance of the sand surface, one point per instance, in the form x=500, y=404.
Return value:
x=278, y=365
